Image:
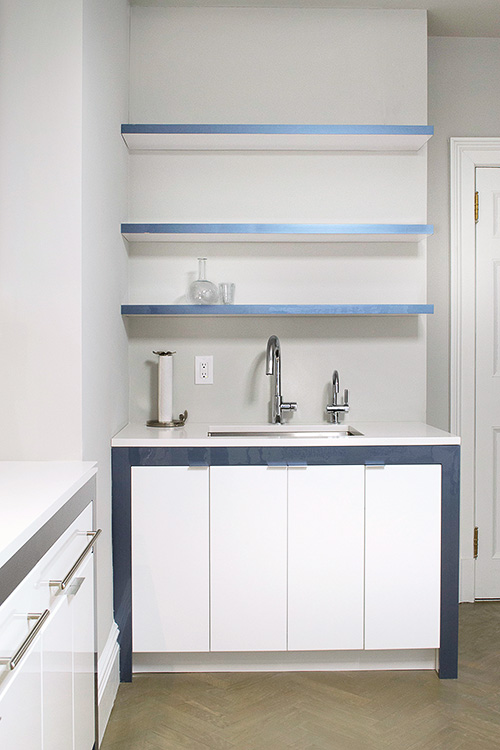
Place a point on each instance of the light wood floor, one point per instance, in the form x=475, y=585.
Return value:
x=320, y=710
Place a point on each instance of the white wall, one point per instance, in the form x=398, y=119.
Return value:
x=63, y=186
x=281, y=65
x=464, y=100
x=40, y=229
x=104, y=273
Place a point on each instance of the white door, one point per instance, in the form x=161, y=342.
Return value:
x=170, y=558
x=21, y=703
x=57, y=676
x=248, y=517
x=487, y=490
x=326, y=506
x=81, y=600
x=403, y=557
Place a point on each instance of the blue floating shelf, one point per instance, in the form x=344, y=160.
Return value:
x=209, y=137
x=235, y=310
x=140, y=232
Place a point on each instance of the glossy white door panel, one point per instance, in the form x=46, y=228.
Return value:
x=325, y=557
x=170, y=558
x=81, y=601
x=402, y=559
x=57, y=676
x=21, y=704
x=248, y=516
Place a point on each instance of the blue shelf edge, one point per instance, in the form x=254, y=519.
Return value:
x=264, y=129
x=202, y=310
x=333, y=229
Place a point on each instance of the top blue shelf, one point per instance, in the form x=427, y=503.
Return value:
x=239, y=137
x=140, y=232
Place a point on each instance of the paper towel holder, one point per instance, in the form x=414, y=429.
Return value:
x=174, y=423
x=180, y=422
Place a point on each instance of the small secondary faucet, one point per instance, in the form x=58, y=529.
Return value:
x=273, y=367
x=335, y=408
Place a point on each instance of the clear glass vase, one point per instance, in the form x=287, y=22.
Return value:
x=203, y=292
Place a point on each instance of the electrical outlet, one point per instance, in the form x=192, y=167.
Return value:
x=204, y=370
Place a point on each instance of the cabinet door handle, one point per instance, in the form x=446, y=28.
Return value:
x=67, y=578
x=40, y=618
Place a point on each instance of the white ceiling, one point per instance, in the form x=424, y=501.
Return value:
x=445, y=17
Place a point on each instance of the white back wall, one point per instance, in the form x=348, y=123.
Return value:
x=294, y=65
x=225, y=65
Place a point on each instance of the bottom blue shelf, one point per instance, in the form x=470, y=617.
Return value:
x=201, y=310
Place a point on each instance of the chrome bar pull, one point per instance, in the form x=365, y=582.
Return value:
x=40, y=618
x=67, y=578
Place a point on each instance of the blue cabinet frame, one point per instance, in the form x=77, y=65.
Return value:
x=448, y=456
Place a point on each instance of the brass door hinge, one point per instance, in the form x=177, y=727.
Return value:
x=476, y=542
x=476, y=206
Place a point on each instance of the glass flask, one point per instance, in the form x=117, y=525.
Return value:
x=203, y=292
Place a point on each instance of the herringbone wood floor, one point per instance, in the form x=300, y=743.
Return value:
x=320, y=710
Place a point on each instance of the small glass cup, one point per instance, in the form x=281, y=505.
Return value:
x=226, y=293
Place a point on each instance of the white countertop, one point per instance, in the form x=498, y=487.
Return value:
x=196, y=435
x=31, y=492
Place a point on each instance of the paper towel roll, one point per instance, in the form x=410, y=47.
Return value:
x=165, y=386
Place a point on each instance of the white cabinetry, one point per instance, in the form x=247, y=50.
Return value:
x=325, y=557
x=83, y=657
x=248, y=516
x=170, y=558
x=21, y=705
x=57, y=678
x=403, y=550
x=68, y=665
x=47, y=698
x=286, y=558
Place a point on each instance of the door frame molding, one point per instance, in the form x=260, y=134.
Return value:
x=465, y=155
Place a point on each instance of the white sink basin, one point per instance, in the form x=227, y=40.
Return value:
x=282, y=431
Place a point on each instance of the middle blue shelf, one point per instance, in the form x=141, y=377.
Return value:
x=236, y=310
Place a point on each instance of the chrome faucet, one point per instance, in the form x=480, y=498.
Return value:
x=273, y=367
x=335, y=408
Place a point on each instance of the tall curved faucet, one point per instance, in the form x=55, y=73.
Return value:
x=273, y=367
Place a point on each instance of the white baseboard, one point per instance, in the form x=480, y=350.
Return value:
x=108, y=671
x=285, y=661
x=467, y=580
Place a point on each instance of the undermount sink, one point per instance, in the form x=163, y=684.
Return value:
x=283, y=431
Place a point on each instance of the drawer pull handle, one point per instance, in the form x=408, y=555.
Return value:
x=40, y=618
x=67, y=578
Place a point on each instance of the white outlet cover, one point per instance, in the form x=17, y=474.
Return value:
x=204, y=369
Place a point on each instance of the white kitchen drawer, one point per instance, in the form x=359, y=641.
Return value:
x=34, y=595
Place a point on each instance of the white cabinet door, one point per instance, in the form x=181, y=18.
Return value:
x=81, y=602
x=170, y=559
x=21, y=704
x=325, y=557
x=68, y=651
x=403, y=570
x=248, y=516
x=57, y=677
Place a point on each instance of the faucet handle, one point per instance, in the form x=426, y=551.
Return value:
x=289, y=405
x=346, y=397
